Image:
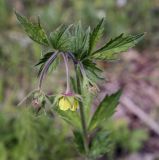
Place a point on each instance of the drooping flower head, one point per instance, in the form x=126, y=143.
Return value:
x=68, y=101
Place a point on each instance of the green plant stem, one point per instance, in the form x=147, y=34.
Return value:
x=83, y=120
x=67, y=72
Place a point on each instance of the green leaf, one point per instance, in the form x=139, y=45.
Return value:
x=34, y=30
x=70, y=117
x=95, y=36
x=100, y=145
x=105, y=110
x=85, y=45
x=77, y=40
x=92, y=71
x=60, y=38
x=119, y=44
x=80, y=41
x=78, y=138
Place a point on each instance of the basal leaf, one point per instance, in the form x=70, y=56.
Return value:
x=119, y=44
x=95, y=36
x=60, y=38
x=34, y=30
x=105, y=110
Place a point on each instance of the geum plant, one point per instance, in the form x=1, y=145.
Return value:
x=73, y=43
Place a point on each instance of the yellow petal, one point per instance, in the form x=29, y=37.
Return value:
x=74, y=106
x=64, y=104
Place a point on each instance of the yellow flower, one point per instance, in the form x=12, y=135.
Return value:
x=74, y=106
x=68, y=102
x=64, y=104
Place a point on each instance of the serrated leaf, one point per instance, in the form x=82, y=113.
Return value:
x=60, y=38
x=85, y=46
x=77, y=40
x=92, y=71
x=119, y=44
x=95, y=36
x=105, y=110
x=34, y=30
x=80, y=41
x=100, y=145
x=70, y=117
x=78, y=138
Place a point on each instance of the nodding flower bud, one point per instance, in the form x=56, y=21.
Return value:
x=38, y=99
x=68, y=102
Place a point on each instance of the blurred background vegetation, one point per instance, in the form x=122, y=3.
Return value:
x=24, y=136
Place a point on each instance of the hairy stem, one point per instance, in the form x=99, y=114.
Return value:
x=46, y=67
x=82, y=114
x=67, y=72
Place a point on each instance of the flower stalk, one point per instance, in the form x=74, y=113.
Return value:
x=65, y=57
x=46, y=67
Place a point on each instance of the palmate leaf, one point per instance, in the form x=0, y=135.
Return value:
x=95, y=35
x=119, y=44
x=60, y=38
x=105, y=110
x=34, y=30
